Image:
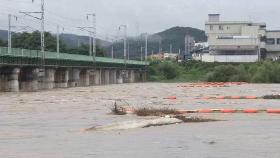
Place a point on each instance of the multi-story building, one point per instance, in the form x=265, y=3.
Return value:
x=234, y=41
x=273, y=44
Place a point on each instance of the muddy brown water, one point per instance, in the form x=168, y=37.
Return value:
x=47, y=124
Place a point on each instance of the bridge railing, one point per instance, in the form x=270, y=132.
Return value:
x=16, y=52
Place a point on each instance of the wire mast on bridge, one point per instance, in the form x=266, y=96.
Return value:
x=10, y=32
x=42, y=19
x=93, y=33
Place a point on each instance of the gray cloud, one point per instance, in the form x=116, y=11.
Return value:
x=142, y=15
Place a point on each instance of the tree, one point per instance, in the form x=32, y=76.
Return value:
x=84, y=50
x=33, y=41
x=3, y=44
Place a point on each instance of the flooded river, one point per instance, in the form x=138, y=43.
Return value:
x=47, y=124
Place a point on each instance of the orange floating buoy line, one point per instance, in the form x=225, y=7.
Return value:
x=171, y=98
x=212, y=84
x=232, y=97
x=248, y=111
x=224, y=111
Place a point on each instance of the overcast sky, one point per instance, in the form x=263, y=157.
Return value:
x=140, y=15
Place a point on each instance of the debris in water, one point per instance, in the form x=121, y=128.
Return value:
x=155, y=112
x=271, y=96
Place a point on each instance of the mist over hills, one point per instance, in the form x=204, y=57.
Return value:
x=174, y=36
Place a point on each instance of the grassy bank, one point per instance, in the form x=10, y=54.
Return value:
x=193, y=71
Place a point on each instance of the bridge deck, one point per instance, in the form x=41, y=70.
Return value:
x=34, y=58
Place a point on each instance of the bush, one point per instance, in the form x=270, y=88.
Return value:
x=261, y=72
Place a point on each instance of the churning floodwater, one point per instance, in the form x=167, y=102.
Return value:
x=47, y=124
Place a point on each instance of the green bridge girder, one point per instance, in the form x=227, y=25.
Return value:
x=34, y=58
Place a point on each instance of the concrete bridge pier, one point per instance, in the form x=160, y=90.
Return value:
x=107, y=76
x=113, y=76
x=97, y=77
x=74, y=78
x=28, y=79
x=84, y=78
x=91, y=76
x=61, y=78
x=131, y=76
x=102, y=76
x=125, y=75
x=48, y=79
x=137, y=76
x=143, y=76
x=119, y=77
x=9, y=79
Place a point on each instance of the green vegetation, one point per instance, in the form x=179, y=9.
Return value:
x=2, y=43
x=192, y=71
x=32, y=41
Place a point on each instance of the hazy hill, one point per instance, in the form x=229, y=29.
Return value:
x=3, y=35
x=174, y=36
x=71, y=40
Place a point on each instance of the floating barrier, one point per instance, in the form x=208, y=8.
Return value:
x=171, y=98
x=226, y=111
x=273, y=111
x=251, y=110
x=232, y=97
x=205, y=111
x=212, y=84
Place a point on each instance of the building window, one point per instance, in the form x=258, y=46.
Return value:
x=278, y=41
x=270, y=41
x=211, y=27
x=221, y=27
x=228, y=28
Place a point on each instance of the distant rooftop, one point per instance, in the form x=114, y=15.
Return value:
x=215, y=19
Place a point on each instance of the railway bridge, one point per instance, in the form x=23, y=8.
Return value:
x=33, y=70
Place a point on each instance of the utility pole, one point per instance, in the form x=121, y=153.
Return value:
x=170, y=48
x=57, y=41
x=128, y=50
x=146, y=47
x=43, y=29
x=93, y=34
x=124, y=41
x=112, y=51
x=9, y=34
x=90, y=44
x=42, y=19
x=142, y=53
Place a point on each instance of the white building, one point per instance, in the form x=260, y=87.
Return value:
x=234, y=41
x=273, y=44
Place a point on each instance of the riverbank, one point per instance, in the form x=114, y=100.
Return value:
x=193, y=71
